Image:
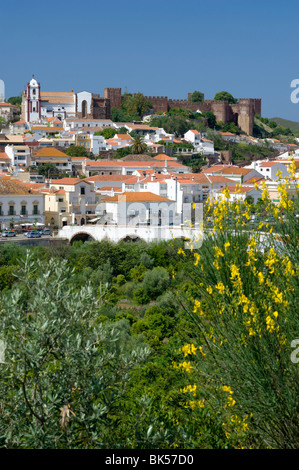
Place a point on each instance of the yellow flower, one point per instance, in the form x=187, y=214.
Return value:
x=270, y=324
x=220, y=287
x=189, y=349
x=197, y=257
x=226, y=245
x=181, y=252
x=209, y=290
x=197, y=307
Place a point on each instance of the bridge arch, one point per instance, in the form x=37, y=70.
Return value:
x=131, y=238
x=82, y=236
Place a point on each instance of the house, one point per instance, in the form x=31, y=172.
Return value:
x=61, y=160
x=46, y=131
x=205, y=147
x=5, y=163
x=128, y=167
x=79, y=123
x=9, y=111
x=143, y=208
x=19, y=204
x=241, y=175
x=270, y=170
x=69, y=201
x=6, y=139
x=19, y=155
x=92, y=143
x=239, y=193
x=229, y=137
x=18, y=127
x=193, y=136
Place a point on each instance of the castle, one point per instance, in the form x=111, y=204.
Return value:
x=241, y=113
x=38, y=105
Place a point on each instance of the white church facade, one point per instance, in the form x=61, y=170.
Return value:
x=38, y=105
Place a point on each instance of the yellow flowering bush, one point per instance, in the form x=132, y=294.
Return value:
x=244, y=317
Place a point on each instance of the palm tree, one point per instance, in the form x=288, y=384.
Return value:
x=138, y=145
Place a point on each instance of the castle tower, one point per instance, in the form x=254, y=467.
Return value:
x=32, y=109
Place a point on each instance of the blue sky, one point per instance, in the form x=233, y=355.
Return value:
x=157, y=47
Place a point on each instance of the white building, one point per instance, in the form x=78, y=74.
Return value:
x=38, y=105
x=139, y=208
x=18, y=204
x=270, y=170
x=19, y=155
x=70, y=201
x=239, y=193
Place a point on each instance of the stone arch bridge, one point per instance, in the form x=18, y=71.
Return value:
x=116, y=233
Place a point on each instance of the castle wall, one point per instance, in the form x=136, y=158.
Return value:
x=114, y=95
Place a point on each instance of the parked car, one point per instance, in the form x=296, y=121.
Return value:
x=8, y=233
x=33, y=234
x=47, y=231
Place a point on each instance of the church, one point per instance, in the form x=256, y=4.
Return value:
x=38, y=105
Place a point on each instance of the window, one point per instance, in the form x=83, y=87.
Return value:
x=35, y=209
x=82, y=190
x=11, y=210
x=60, y=199
x=0, y=210
x=23, y=210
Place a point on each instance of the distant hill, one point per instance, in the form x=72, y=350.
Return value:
x=294, y=126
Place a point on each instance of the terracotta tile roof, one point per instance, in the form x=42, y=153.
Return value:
x=8, y=105
x=99, y=178
x=163, y=157
x=216, y=168
x=137, y=197
x=268, y=164
x=242, y=189
x=22, y=121
x=236, y=171
x=255, y=179
x=57, y=96
x=12, y=187
x=49, y=152
x=66, y=181
x=109, y=188
x=4, y=156
x=123, y=136
x=194, y=131
x=47, y=129
x=137, y=164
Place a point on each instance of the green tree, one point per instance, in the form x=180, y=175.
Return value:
x=77, y=151
x=64, y=371
x=15, y=100
x=108, y=133
x=196, y=97
x=138, y=146
x=3, y=122
x=211, y=119
x=48, y=170
x=136, y=105
x=225, y=96
x=155, y=282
